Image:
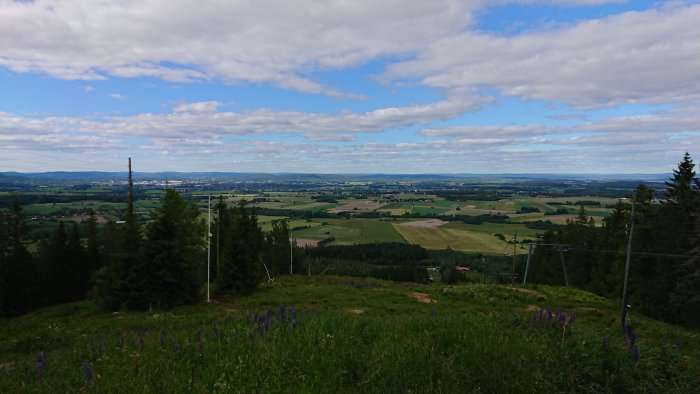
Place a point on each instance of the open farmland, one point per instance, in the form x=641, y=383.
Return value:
x=457, y=239
x=350, y=231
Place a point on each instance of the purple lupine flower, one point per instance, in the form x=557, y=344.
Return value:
x=162, y=338
x=677, y=345
x=87, y=372
x=255, y=318
x=122, y=338
x=604, y=341
x=533, y=318
x=572, y=316
x=562, y=319
x=281, y=312
x=41, y=362
x=632, y=336
x=635, y=353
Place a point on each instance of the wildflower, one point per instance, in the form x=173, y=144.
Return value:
x=604, y=341
x=572, y=316
x=678, y=345
x=635, y=353
x=122, y=338
x=41, y=362
x=162, y=338
x=281, y=312
x=87, y=372
x=561, y=318
x=632, y=337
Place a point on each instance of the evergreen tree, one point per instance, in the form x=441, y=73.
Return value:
x=173, y=253
x=93, y=253
x=18, y=271
x=79, y=269
x=120, y=284
x=277, y=252
x=241, y=268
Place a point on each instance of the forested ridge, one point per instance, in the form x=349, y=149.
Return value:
x=664, y=275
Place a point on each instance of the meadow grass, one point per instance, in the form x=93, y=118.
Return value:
x=351, y=231
x=351, y=335
x=454, y=238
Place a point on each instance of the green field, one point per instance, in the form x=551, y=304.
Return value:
x=453, y=238
x=339, y=334
x=351, y=231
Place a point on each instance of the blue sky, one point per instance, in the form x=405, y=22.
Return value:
x=444, y=86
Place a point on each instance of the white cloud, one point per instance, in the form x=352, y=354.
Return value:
x=117, y=96
x=88, y=89
x=635, y=57
x=277, y=42
x=198, y=137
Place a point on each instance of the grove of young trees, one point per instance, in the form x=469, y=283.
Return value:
x=664, y=275
x=133, y=266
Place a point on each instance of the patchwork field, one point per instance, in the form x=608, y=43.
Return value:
x=457, y=239
x=350, y=231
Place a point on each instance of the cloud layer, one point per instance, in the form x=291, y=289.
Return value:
x=647, y=59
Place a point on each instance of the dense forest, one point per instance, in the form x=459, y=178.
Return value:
x=133, y=266
x=664, y=272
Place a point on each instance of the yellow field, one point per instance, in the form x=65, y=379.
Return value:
x=442, y=238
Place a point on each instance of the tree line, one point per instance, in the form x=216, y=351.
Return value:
x=664, y=274
x=134, y=266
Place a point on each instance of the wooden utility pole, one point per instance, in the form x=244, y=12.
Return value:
x=623, y=313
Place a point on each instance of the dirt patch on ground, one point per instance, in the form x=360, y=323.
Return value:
x=531, y=308
x=470, y=206
x=355, y=311
x=303, y=242
x=422, y=297
x=528, y=291
x=431, y=223
x=360, y=206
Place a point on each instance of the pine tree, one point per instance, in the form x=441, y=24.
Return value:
x=120, y=284
x=173, y=252
x=18, y=268
x=277, y=251
x=241, y=268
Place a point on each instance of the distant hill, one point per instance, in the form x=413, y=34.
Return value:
x=97, y=176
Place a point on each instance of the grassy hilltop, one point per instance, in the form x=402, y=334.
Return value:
x=340, y=334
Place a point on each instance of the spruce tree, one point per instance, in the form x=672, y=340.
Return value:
x=277, y=251
x=241, y=268
x=18, y=269
x=173, y=253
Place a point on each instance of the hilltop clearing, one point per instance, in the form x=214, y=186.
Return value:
x=340, y=334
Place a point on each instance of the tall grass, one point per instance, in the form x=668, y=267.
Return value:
x=287, y=350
